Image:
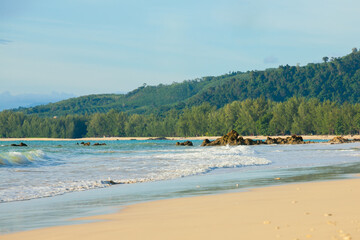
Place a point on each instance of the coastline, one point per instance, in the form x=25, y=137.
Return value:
x=316, y=210
x=305, y=137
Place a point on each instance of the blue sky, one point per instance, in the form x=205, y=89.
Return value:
x=106, y=46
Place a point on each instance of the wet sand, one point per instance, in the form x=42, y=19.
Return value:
x=319, y=210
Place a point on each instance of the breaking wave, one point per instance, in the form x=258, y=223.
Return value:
x=106, y=169
x=13, y=158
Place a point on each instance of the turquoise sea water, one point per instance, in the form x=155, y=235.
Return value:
x=50, y=182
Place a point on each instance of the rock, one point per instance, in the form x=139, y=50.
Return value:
x=232, y=138
x=86, y=144
x=19, y=145
x=248, y=141
x=99, y=144
x=270, y=140
x=110, y=182
x=205, y=142
x=294, y=139
x=186, y=143
x=339, y=140
x=159, y=138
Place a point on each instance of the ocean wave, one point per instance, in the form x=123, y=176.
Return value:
x=118, y=168
x=22, y=193
x=187, y=162
x=13, y=158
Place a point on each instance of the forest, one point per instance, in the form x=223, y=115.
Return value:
x=258, y=116
x=321, y=98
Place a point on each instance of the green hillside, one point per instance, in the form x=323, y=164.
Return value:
x=337, y=79
x=144, y=99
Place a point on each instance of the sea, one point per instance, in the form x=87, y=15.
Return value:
x=50, y=183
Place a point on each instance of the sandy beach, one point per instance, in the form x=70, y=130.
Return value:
x=319, y=210
x=305, y=137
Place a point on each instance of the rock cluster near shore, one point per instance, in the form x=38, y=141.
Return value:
x=19, y=145
x=186, y=143
x=88, y=144
x=233, y=138
x=343, y=140
x=294, y=139
x=158, y=138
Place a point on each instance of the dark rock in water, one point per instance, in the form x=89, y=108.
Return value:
x=86, y=144
x=205, y=142
x=186, y=143
x=159, y=138
x=339, y=140
x=110, y=182
x=294, y=139
x=232, y=138
x=99, y=144
x=343, y=140
x=270, y=140
x=19, y=145
x=248, y=141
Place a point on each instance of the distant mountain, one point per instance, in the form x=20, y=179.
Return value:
x=9, y=101
x=337, y=79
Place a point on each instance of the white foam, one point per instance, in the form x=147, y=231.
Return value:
x=21, y=158
x=163, y=165
x=98, y=170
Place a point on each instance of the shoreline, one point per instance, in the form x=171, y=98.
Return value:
x=305, y=137
x=313, y=210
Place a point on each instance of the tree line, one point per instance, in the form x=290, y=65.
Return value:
x=249, y=117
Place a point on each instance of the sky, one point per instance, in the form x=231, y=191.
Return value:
x=83, y=47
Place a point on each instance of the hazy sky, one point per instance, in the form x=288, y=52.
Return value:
x=105, y=46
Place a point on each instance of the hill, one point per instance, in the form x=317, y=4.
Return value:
x=336, y=80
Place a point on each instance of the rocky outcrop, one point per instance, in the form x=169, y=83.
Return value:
x=339, y=140
x=186, y=143
x=294, y=139
x=158, y=138
x=99, y=144
x=19, y=145
x=232, y=138
x=343, y=140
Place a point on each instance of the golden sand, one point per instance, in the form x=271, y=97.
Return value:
x=321, y=210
